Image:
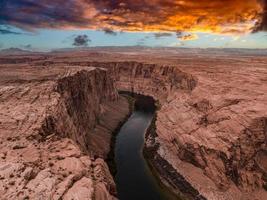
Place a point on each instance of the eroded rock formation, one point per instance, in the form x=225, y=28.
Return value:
x=56, y=126
x=215, y=140
x=212, y=145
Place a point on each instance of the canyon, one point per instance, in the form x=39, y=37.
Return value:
x=59, y=110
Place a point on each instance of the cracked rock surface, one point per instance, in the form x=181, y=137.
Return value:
x=55, y=131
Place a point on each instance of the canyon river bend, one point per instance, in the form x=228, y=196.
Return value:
x=134, y=179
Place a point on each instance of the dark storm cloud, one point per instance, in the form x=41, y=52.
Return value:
x=81, y=41
x=160, y=35
x=109, y=31
x=264, y=21
x=31, y=14
x=186, y=37
x=223, y=17
x=262, y=25
x=179, y=34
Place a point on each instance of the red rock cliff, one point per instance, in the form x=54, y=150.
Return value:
x=212, y=144
x=56, y=126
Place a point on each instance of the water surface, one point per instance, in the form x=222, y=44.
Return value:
x=134, y=179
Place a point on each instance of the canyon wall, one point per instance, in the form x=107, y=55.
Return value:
x=56, y=126
x=209, y=139
x=207, y=144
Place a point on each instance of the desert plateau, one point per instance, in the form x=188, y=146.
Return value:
x=59, y=111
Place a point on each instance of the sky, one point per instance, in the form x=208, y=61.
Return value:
x=45, y=24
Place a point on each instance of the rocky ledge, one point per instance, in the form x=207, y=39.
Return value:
x=55, y=131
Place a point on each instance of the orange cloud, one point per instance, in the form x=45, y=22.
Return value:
x=214, y=16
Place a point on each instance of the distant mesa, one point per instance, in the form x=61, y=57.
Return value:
x=15, y=51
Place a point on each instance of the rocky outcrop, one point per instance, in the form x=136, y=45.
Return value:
x=213, y=144
x=56, y=127
x=148, y=79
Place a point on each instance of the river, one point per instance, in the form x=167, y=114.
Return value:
x=134, y=179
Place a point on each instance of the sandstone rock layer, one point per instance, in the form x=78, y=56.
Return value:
x=213, y=139
x=56, y=127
